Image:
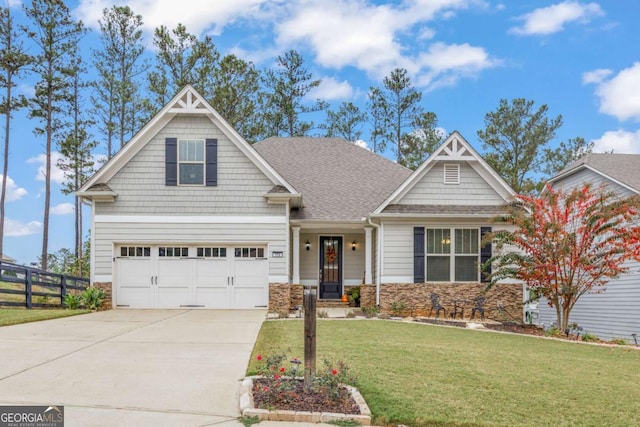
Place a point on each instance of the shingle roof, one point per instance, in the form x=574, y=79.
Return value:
x=338, y=180
x=621, y=167
x=446, y=209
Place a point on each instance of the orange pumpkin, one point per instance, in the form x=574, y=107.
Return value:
x=345, y=298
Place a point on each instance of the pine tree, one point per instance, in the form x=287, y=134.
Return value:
x=77, y=151
x=286, y=88
x=345, y=123
x=425, y=138
x=119, y=62
x=13, y=60
x=181, y=59
x=55, y=34
x=236, y=95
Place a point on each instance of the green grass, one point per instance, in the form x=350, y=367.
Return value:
x=424, y=375
x=14, y=316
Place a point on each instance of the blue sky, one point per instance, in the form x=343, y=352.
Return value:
x=580, y=58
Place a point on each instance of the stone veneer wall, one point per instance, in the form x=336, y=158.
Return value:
x=367, y=296
x=279, y=297
x=106, y=288
x=417, y=298
x=296, y=296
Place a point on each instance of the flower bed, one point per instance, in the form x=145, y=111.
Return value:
x=278, y=395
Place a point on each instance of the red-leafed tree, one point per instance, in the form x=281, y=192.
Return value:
x=568, y=244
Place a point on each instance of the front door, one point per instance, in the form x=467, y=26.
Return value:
x=330, y=267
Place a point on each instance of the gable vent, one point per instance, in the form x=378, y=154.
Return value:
x=452, y=174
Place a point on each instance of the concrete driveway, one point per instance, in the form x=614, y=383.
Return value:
x=132, y=367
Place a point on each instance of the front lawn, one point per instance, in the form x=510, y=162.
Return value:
x=13, y=316
x=424, y=375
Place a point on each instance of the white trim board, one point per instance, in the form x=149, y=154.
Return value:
x=178, y=219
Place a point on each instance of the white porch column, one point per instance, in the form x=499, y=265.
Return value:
x=368, y=277
x=296, y=255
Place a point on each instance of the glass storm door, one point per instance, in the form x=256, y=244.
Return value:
x=330, y=267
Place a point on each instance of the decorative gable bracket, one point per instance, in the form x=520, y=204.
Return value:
x=188, y=103
x=455, y=150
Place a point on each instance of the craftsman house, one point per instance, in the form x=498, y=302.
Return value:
x=188, y=214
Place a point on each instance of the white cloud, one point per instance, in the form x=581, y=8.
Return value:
x=331, y=89
x=620, y=141
x=13, y=191
x=362, y=144
x=197, y=15
x=445, y=64
x=596, y=76
x=365, y=35
x=14, y=228
x=57, y=174
x=620, y=95
x=62, y=209
x=551, y=19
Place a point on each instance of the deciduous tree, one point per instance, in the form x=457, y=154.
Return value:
x=514, y=139
x=13, y=60
x=568, y=244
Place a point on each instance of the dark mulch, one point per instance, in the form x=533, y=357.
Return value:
x=517, y=328
x=293, y=398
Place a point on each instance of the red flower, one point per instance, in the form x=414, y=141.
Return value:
x=279, y=384
x=276, y=376
x=266, y=389
x=281, y=369
x=295, y=359
x=334, y=372
x=259, y=357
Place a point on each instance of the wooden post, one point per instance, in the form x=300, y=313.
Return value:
x=28, y=288
x=63, y=289
x=309, y=337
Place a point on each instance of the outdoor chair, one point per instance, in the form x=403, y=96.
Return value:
x=478, y=306
x=435, y=305
x=458, y=307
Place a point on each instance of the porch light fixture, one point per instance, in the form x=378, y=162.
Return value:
x=307, y=246
x=445, y=241
x=353, y=245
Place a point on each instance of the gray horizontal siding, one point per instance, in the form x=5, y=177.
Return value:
x=141, y=189
x=472, y=190
x=106, y=234
x=616, y=312
x=587, y=176
x=397, y=250
x=612, y=314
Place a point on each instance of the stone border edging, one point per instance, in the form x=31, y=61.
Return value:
x=248, y=409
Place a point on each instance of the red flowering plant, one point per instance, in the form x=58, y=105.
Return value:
x=281, y=384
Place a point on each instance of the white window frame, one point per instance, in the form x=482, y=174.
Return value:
x=448, y=170
x=452, y=254
x=193, y=162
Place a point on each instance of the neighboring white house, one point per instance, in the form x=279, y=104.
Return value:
x=7, y=258
x=188, y=214
x=616, y=312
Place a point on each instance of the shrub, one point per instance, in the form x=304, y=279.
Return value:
x=398, y=307
x=93, y=298
x=371, y=311
x=553, y=331
x=322, y=314
x=71, y=301
x=589, y=337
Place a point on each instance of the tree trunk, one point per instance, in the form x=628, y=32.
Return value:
x=5, y=165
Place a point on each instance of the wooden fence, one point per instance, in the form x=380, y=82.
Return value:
x=30, y=287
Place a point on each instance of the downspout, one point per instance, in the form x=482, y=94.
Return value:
x=378, y=251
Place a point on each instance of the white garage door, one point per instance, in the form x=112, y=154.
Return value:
x=191, y=276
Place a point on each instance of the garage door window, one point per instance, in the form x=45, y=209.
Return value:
x=212, y=252
x=249, y=252
x=135, y=251
x=172, y=252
